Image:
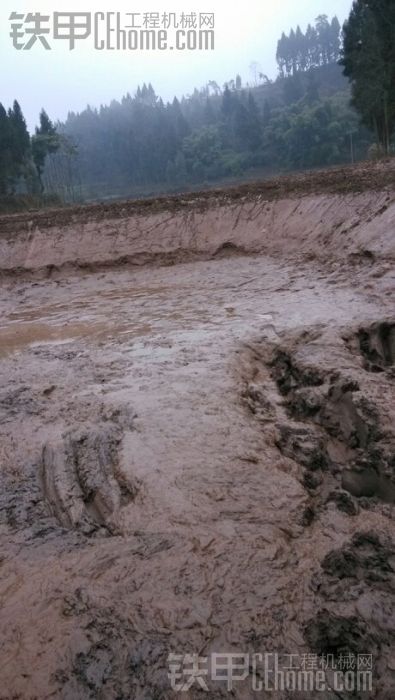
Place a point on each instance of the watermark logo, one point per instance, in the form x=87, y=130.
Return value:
x=271, y=672
x=115, y=31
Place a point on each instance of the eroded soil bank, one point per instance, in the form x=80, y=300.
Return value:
x=331, y=215
x=199, y=457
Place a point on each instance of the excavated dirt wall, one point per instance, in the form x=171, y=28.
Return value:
x=329, y=224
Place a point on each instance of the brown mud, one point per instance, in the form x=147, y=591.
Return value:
x=200, y=457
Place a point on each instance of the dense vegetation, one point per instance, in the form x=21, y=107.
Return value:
x=14, y=146
x=369, y=61
x=320, y=45
x=303, y=119
x=23, y=158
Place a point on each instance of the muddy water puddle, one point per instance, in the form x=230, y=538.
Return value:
x=110, y=314
x=17, y=336
x=38, y=330
x=87, y=301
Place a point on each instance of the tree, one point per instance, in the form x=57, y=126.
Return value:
x=319, y=46
x=228, y=103
x=300, y=49
x=14, y=147
x=253, y=123
x=335, y=39
x=292, y=89
x=5, y=151
x=324, y=38
x=212, y=85
x=281, y=53
x=202, y=151
x=292, y=43
x=209, y=115
x=267, y=112
x=312, y=93
x=311, y=46
x=181, y=124
x=368, y=58
x=20, y=135
x=45, y=141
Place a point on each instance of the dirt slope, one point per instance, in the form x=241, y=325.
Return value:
x=198, y=458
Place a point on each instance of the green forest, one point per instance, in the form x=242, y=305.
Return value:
x=333, y=102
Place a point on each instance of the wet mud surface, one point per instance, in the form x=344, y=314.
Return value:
x=179, y=446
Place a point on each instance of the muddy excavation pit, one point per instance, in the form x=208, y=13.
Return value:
x=197, y=445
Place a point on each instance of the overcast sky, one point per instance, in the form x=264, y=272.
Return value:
x=61, y=80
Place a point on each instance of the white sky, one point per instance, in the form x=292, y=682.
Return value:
x=60, y=80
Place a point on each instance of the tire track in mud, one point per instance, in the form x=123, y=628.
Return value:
x=84, y=481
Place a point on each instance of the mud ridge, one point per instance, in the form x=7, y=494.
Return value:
x=377, y=346
x=83, y=482
x=328, y=423
x=359, y=576
x=310, y=393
